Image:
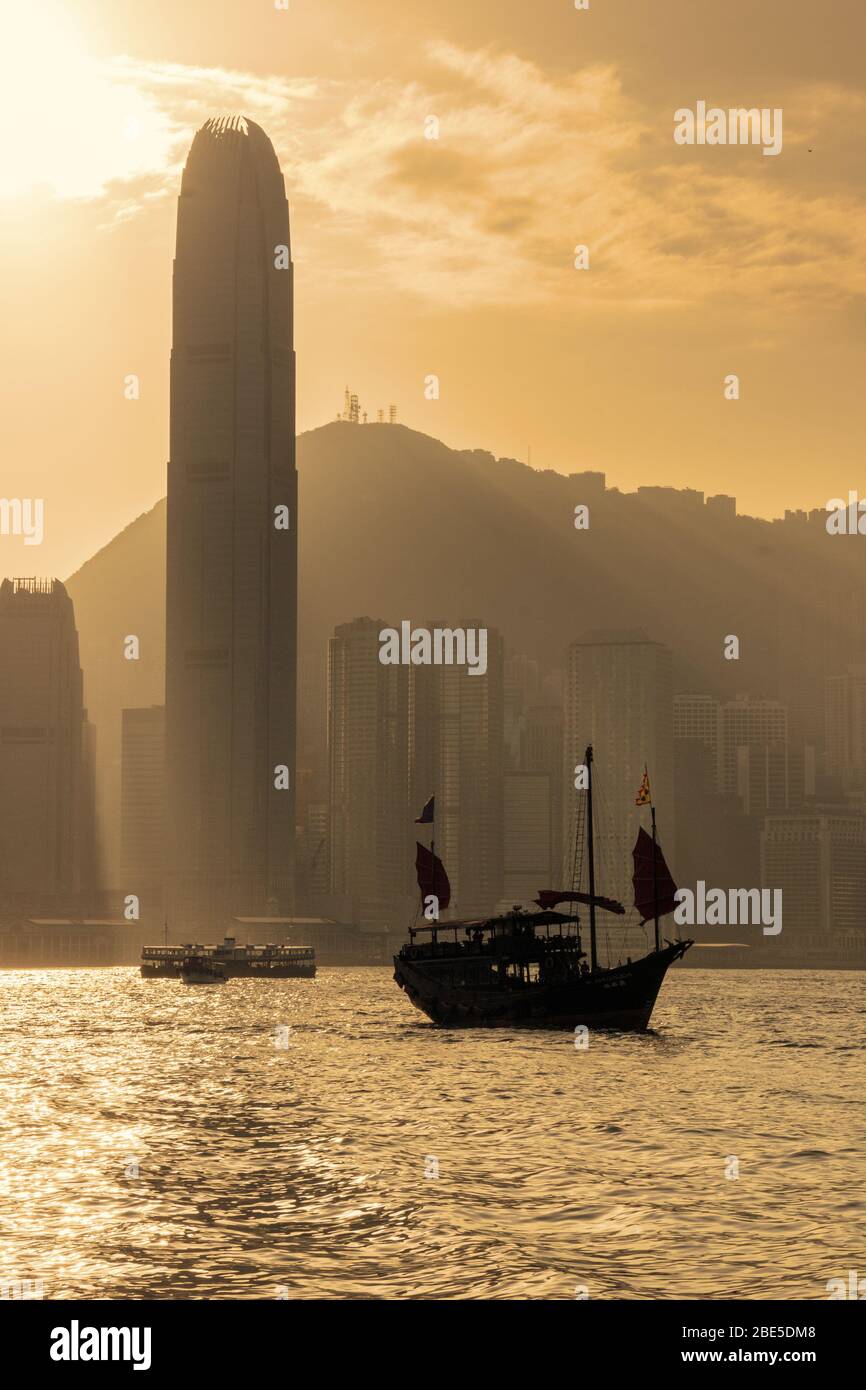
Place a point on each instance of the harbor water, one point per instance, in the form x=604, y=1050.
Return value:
x=320, y=1139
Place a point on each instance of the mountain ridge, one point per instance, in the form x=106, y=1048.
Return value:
x=396, y=524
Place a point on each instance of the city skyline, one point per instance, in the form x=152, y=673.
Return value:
x=347, y=571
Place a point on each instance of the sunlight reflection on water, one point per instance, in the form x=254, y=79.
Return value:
x=158, y=1143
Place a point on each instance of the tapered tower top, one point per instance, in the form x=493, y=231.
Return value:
x=225, y=135
x=232, y=234
x=225, y=153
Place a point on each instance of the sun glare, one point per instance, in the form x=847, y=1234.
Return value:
x=68, y=123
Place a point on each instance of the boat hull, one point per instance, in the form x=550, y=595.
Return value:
x=622, y=998
x=236, y=970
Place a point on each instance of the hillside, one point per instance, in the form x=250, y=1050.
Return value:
x=396, y=525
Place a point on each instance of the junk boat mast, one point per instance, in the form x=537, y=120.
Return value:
x=593, y=947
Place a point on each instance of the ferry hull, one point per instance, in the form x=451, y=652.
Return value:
x=237, y=970
x=622, y=998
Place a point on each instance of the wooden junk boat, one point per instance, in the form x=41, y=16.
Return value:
x=527, y=968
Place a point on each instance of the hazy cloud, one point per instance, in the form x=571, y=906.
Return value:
x=528, y=165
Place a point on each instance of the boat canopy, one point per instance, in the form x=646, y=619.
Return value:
x=552, y=897
x=507, y=919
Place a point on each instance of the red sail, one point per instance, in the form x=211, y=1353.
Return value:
x=645, y=895
x=432, y=877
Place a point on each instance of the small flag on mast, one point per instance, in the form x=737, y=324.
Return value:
x=644, y=796
x=426, y=816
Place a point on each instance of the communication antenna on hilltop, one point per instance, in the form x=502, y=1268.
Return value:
x=353, y=413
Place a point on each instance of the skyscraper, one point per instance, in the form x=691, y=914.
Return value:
x=845, y=726
x=619, y=698
x=530, y=861
x=541, y=752
x=532, y=803
x=457, y=754
x=818, y=860
x=231, y=584
x=142, y=805
x=46, y=749
x=369, y=822
x=753, y=754
x=697, y=722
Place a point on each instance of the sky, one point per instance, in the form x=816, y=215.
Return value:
x=452, y=256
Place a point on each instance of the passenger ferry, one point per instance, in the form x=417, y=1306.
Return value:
x=268, y=962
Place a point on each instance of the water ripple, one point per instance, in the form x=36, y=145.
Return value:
x=156, y=1143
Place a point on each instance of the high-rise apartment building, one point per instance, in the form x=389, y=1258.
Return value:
x=697, y=720
x=845, y=725
x=818, y=861
x=753, y=754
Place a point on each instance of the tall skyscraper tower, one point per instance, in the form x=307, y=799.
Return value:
x=231, y=584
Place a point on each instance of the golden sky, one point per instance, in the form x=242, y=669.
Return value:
x=452, y=256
